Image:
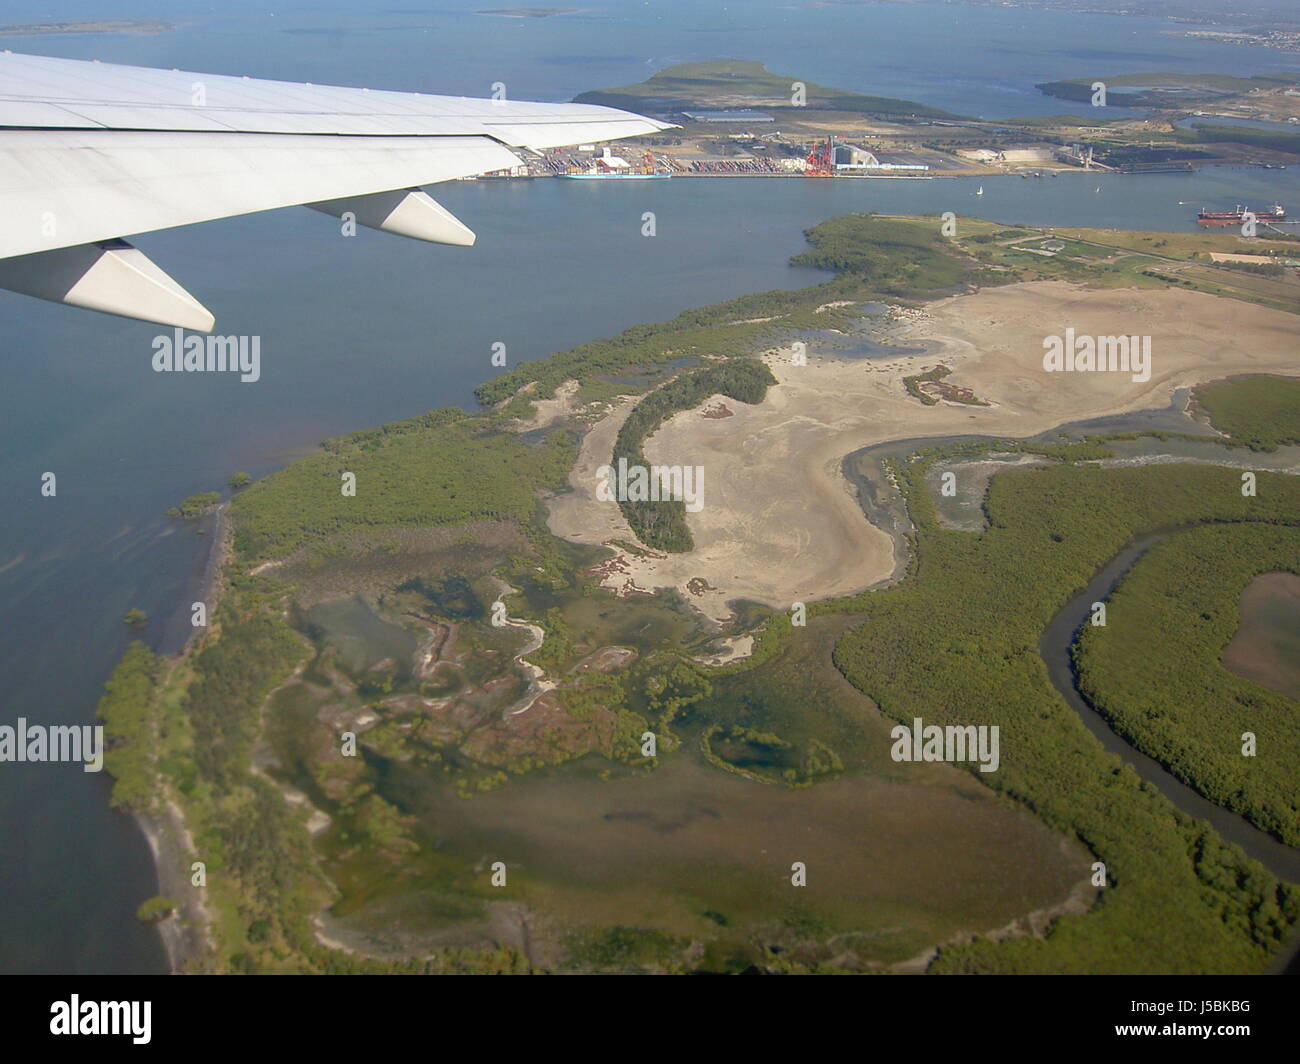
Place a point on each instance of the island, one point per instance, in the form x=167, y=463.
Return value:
x=461, y=708
x=738, y=119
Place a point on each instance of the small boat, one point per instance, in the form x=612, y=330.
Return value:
x=979, y=191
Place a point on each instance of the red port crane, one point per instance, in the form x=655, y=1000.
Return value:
x=820, y=160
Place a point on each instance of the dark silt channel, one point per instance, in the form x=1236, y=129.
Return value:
x=1054, y=647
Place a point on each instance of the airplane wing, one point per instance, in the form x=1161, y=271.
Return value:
x=92, y=152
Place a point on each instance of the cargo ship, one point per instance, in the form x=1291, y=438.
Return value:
x=607, y=167
x=1275, y=213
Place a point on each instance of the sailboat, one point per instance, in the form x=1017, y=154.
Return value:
x=979, y=191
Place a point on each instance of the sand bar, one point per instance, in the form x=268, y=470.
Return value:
x=780, y=523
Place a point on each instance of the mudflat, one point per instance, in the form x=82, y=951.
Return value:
x=780, y=523
x=1266, y=646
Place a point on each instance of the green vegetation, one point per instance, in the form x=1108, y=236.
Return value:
x=441, y=468
x=231, y=677
x=661, y=524
x=1207, y=133
x=126, y=709
x=1081, y=122
x=765, y=757
x=1152, y=260
x=135, y=618
x=913, y=384
x=258, y=858
x=890, y=256
x=671, y=691
x=1261, y=412
x=192, y=730
x=240, y=480
x=1264, y=269
x=625, y=949
x=1154, y=671
x=731, y=328
x=1178, y=898
x=195, y=505
x=1181, y=246
x=156, y=908
x=1161, y=89
x=720, y=83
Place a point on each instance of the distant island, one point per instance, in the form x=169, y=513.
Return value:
x=530, y=12
x=744, y=83
x=1273, y=97
x=739, y=119
x=1263, y=23
x=112, y=25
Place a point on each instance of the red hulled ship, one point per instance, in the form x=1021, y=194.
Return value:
x=1275, y=213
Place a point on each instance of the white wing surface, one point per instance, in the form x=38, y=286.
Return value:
x=91, y=153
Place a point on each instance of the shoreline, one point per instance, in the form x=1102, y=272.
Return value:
x=824, y=439
x=187, y=934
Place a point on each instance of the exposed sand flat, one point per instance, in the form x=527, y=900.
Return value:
x=548, y=411
x=781, y=524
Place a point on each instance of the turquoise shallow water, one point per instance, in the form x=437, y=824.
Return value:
x=360, y=331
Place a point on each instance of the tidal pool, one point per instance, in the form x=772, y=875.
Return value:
x=1266, y=646
x=898, y=857
x=687, y=849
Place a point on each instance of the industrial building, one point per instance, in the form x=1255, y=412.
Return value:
x=849, y=158
x=727, y=116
